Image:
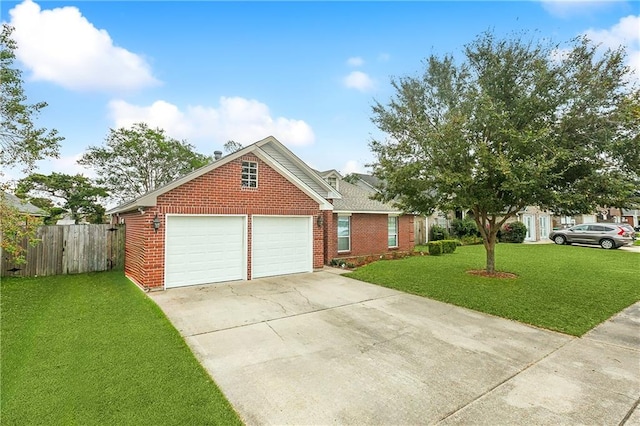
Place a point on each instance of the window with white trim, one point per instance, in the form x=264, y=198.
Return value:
x=249, y=174
x=344, y=233
x=393, y=231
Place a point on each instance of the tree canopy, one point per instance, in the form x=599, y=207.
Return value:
x=21, y=142
x=515, y=123
x=74, y=193
x=139, y=159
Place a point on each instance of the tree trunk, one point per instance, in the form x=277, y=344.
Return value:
x=491, y=255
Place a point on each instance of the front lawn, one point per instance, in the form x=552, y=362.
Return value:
x=564, y=288
x=93, y=349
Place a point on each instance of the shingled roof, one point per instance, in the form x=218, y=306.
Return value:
x=357, y=200
x=23, y=206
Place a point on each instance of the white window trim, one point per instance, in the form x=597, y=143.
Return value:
x=348, y=217
x=249, y=175
x=394, y=217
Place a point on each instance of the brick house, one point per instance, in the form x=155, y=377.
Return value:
x=258, y=212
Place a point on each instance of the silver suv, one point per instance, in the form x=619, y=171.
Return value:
x=607, y=235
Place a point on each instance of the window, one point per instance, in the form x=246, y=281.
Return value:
x=393, y=231
x=344, y=233
x=332, y=180
x=249, y=174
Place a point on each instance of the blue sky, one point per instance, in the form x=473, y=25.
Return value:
x=305, y=72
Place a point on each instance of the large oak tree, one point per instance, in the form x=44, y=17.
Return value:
x=74, y=193
x=513, y=123
x=139, y=159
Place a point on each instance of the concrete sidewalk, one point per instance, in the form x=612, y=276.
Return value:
x=324, y=349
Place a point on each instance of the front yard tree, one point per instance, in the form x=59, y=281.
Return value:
x=515, y=123
x=21, y=142
x=139, y=159
x=74, y=193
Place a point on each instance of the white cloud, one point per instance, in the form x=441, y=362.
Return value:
x=355, y=61
x=352, y=166
x=63, y=47
x=235, y=118
x=67, y=164
x=359, y=81
x=568, y=8
x=625, y=33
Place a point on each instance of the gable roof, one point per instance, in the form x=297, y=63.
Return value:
x=269, y=150
x=358, y=200
x=368, y=182
x=23, y=206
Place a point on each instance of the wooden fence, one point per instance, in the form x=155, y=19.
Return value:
x=420, y=230
x=69, y=249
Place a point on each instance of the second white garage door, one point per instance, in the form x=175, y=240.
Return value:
x=204, y=249
x=281, y=245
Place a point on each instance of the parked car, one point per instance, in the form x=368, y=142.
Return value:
x=607, y=235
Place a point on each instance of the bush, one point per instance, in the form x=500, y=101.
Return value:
x=435, y=248
x=514, y=232
x=449, y=246
x=464, y=228
x=470, y=240
x=437, y=233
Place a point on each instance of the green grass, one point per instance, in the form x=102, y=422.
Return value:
x=563, y=288
x=93, y=349
x=636, y=242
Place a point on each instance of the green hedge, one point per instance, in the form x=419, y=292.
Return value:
x=449, y=246
x=435, y=248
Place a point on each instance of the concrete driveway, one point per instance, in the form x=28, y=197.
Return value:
x=324, y=349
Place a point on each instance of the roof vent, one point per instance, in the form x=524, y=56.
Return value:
x=217, y=155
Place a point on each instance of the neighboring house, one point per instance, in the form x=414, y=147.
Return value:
x=260, y=211
x=67, y=219
x=602, y=214
x=23, y=206
x=537, y=221
x=631, y=216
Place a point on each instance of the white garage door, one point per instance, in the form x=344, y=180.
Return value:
x=281, y=245
x=204, y=249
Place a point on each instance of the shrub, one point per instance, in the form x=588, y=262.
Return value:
x=449, y=246
x=470, y=240
x=514, y=232
x=435, y=248
x=464, y=228
x=437, y=233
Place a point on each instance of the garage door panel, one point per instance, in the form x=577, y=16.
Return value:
x=204, y=249
x=281, y=245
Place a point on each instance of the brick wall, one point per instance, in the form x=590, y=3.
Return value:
x=217, y=192
x=369, y=235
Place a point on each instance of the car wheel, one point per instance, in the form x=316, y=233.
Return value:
x=559, y=239
x=607, y=244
